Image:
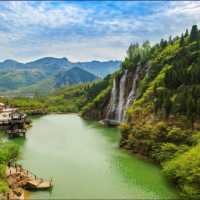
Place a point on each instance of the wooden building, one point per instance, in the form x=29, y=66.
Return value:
x=13, y=121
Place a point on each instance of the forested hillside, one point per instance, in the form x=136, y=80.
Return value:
x=161, y=86
x=64, y=100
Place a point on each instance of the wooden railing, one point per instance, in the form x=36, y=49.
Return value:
x=19, y=169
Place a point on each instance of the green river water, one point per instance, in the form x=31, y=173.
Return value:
x=85, y=162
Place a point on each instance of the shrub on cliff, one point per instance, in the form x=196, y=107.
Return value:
x=185, y=171
x=94, y=109
x=3, y=186
x=8, y=151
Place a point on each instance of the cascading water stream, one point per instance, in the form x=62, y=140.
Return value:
x=132, y=94
x=113, y=100
x=119, y=113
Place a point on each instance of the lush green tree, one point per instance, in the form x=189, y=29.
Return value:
x=191, y=108
x=186, y=33
x=182, y=40
x=167, y=105
x=170, y=41
x=184, y=169
x=163, y=43
x=194, y=34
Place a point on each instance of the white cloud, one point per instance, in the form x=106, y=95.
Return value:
x=22, y=14
x=88, y=32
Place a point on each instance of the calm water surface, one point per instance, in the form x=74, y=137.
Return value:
x=84, y=161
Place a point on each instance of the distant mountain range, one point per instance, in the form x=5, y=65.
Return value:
x=33, y=76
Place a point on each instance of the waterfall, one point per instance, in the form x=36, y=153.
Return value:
x=113, y=99
x=120, y=106
x=132, y=94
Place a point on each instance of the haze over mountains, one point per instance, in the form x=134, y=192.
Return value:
x=47, y=73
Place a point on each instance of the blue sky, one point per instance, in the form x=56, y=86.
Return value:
x=93, y=30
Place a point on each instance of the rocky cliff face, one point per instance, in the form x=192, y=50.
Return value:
x=124, y=92
x=121, y=93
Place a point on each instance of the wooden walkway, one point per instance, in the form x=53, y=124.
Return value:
x=20, y=177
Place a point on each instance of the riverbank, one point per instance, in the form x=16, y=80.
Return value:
x=14, y=178
x=170, y=144
x=13, y=123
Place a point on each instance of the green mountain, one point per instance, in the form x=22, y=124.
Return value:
x=11, y=65
x=48, y=85
x=40, y=88
x=73, y=76
x=23, y=78
x=155, y=97
x=14, y=79
x=50, y=65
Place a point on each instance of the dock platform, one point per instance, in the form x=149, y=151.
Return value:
x=20, y=177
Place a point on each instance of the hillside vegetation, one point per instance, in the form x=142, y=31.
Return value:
x=163, y=121
x=63, y=100
x=8, y=151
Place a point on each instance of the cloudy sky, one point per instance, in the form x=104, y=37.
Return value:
x=83, y=31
